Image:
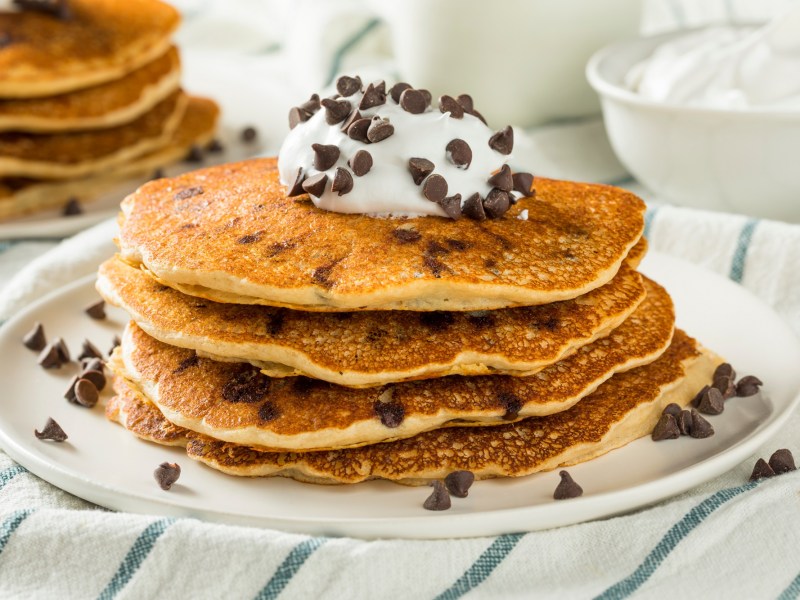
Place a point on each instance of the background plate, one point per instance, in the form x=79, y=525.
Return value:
x=103, y=463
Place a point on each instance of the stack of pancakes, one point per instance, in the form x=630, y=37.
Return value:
x=88, y=98
x=270, y=337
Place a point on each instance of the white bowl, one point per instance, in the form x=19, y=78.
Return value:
x=737, y=160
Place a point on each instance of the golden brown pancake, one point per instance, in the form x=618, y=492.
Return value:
x=371, y=348
x=102, y=40
x=19, y=196
x=102, y=106
x=81, y=153
x=236, y=403
x=624, y=408
x=230, y=234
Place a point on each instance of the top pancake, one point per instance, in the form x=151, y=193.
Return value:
x=101, y=40
x=230, y=234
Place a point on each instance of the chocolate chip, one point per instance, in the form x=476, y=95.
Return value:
x=434, y=188
x=35, y=339
x=342, y=181
x=166, y=474
x=672, y=409
x=373, y=96
x=352, y=118
x=336, y=111
x=86, y=393
x=250, y=238
x=761, y=470
x=685, y=422
x=700, y=427
x=397, y=89
x=315, y=185
x=502, y=179
x=782, y=461
x=115, y=342
x=347, y=86
x=496, y=204
x=465, y=101
x=427, y=96
x=419, y=168
x=748, y=386
x=459, y=482
x=187, y=363
x=297, y=186
x=96, y=310
x=159, y=174
x=325, y=156
x=268, y=412
x=567, y=488
x=436, y=320
x=452, y=206
x=379, y=129
x=512, y=405
x=448, y=104
x=473, y=207
x=361, y=163
x=296, y=116
x=523, y=183
x=724, y=370
x=699, y=396
x=56, y=8
x=5, y=39
x=72, y=208
x=666, y=429
x=478, y=116
x=312, y=105
x=439, y=498
x=51, y=431
x=187, y=193
x=96, y=377
x=89, y=350
x=248, y=386
x=725, y=385
x=358, y=130
x=413, y=101
x=712, y=402
x=195, y=154
x=215, y=146
x=406, y=236
x=459, y=153
x=502, y=141
x=92, y=364
x=390, y=413
x=49, y=358
x=70, y=393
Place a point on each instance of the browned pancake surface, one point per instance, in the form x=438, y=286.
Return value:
x=231, y=228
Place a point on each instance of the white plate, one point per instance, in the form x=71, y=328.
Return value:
x=106, y=465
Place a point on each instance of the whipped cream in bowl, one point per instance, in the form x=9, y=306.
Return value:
x=393, y=153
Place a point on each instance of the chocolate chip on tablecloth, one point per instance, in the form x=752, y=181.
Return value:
x=89, y=350
x=361, y=163
x=439, y=498
x=166, y=474
x=459, y=153
x=336, y=111
x=358, y=130
x=325, y=156
x=496, y=204
x=711, y=402
x=379, y=129
x=523, y=183
x=459, y=482
x=761, y=470
x=452, y=206
x=434, y=188
x=448, y=104
x=666, y=429
x=51, y=431
x=72, y=207
x=502, y=179
x=374, y=95
x=413, y=101
x=567, y=488
x=391, y=414
x=503, y=141
x=748, y=386
x=419, y=168
x=342, y=181
x=397, y=89
x=315, y=185
x=347, y=86
x=700, y=427
x=296, y=188
x=782, y=461
x=473, y=207
x=96, y=310
x=35, y=338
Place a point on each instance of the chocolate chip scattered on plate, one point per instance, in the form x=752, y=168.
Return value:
x=51, y=431
x=567, y=488
x=249, y=134
x=459, y=482
x=166, y=474
x=439, y=498
x=35, y=338
x=96, y=310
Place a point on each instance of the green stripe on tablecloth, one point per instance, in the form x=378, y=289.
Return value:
x=792, y=591
x=742, y=245
x=10, y=525
x=482, y=567
x=139, y=551
x=671, y=539
x=8, y=474
x=289, y=568
x=353, y=41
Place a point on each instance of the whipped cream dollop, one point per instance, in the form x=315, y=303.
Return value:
x=726, y=67
x=390, y=153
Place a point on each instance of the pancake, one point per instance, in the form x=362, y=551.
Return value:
x=235, y=403
x=20, y=196
x=230, y=234
x=81, y=153
x=624, y=408
x=102, y=40
x=102, y=106
x=370, y=348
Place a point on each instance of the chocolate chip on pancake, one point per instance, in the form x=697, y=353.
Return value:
x=35, y=338
x=89, y=350
x=496, y=204
x=700, y=427
x=761, y=470
x=336, y=111
x=250, y=238
x=55, y=8
x=347, y=86
x=51, y=431
x=448, y=104
x=342, y=181
x=86, y=393
x=189, y=192
x=96, y=310
x=166, y=474
x=523, y=183
x=439, y=498
x=459, y=482
x=186, y=363
x=413, y=101
x=406, y=236
x=374, y=95
x=434, y=188
x=379, y=129
x=672, y=409
x=711, y=402
x=268, y=412
x=358, y=130
x=452, y=206
x=666, y=429
x=782, y=461
x=397, y=89
x=459, y=153
x=511, y=403
x=248, y=386
x=567, y=488
x=436, y=320
x=502, y=180
x=748, y=386
x=420, y=168
x=361, y=163
x=473, y=208
x=315, y=185
x=325, y=156
x=296, y=188
x=502, y=141
x=72, y=207
x=390, y=413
